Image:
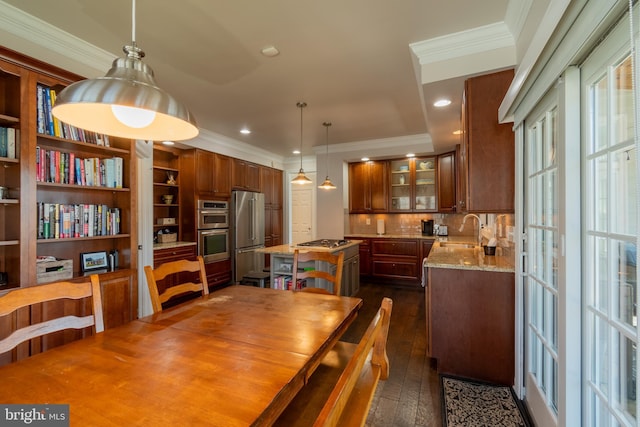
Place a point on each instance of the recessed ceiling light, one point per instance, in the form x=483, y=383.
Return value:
x=245, y=131
x=296, y=151
x=442, y=103
x=411, y=155
x=168, y=143
x=270, y=51
x=365, y=159
x=457, y=132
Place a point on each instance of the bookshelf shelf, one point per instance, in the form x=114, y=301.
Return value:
x=8, y=120
x=9, y=242
x=84, y=239
x=76, y=187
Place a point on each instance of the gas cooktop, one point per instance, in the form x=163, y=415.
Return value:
x=326, y=243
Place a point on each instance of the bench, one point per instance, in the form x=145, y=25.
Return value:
x=340, y=391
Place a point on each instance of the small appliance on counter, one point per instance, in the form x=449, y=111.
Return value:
x=443, y=230
x=427, y=227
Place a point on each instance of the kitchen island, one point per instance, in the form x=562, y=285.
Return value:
x=470, y=303
x=282, y=262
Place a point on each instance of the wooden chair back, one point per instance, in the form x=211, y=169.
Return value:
x=306, y=256
x=170, y=268
x=340, y=391
x=24, y=297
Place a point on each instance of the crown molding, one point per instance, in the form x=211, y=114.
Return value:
x=44, y=40
x=463, y=43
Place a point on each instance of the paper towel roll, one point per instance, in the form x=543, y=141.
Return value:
x=381, y=226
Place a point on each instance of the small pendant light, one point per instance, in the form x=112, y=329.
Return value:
x=301, y=178
x=126, y=102
x=327, y=184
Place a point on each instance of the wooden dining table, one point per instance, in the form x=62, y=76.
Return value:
x=235, y=357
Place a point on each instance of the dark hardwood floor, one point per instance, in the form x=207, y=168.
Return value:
x=411, y=395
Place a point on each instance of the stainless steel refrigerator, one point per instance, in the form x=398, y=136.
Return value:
x=247, y=230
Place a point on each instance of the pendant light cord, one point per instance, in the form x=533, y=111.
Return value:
x=326, y=125
x=133, y=22
x=301, y=105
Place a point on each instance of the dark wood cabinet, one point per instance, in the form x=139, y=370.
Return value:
x=212, y=174
x=218, y=273
x=470, y=323
x=166, y=181
x=487, y=155
x=395, y=259
x=447, y=182
x=245, y=175
x=271, y=185
x=365, y=255
x=368, y=187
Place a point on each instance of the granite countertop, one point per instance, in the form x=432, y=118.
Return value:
x=172, y=245
x=392, y=236
x=289, y=249
x=468, y=259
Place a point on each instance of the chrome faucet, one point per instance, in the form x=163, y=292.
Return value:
x=464, y=220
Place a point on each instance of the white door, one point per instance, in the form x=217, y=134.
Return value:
x=610, y=234
x=302, y=212
x=552, y=292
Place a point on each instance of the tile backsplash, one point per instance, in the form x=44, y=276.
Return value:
x=398, y=224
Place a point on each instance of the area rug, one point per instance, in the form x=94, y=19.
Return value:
x=474, y=404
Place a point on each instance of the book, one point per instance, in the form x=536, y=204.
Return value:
x=11, y=143
x=3, y=142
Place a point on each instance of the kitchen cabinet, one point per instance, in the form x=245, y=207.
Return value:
x=166, y=182
x=413, y=185
x=271, y=185
x=245, y=175
x=396, y=259
x=364, y=252
x=446, y=178
x=368, y=185
x=218, y=273
x=487, y=151
x=470, y=323
x=351, y=276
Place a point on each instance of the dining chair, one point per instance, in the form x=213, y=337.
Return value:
x=309, y=256
x=24, y=297
x=179, y=268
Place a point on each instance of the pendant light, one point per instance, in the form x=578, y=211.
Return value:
x=327, y=184
x=126, y=102
x=301, y=178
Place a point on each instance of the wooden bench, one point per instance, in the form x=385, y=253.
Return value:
x=340, y=391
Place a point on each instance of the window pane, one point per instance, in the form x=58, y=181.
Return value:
x=599, y=193
x=623, y=198
x=625, y=283
x=551, y=139
x=600, y=273
x=622, y=115
x=600, y=356
x=599, y=115
x=627, y=388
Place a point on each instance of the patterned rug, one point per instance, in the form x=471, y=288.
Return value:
x=473, y=404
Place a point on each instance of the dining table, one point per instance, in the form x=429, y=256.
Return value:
x=234, y=357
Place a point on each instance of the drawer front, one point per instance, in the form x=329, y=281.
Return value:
x=395, y=247
x=161, y=256
x=395, y=269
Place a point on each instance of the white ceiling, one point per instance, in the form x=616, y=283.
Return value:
x=371, y=67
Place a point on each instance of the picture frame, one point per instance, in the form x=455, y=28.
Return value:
x=91, y=261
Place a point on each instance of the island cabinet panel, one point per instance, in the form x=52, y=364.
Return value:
x=365, y=255
x=470, y=323
x=395, y=259
x=488, y=151
x=368, y=184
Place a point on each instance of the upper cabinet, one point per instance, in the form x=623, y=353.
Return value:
x=487, y=152
x=368, y=184
x=413, y=184
x=447, y=182
x=245, y=175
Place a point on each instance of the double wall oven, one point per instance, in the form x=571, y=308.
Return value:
x=213, y=230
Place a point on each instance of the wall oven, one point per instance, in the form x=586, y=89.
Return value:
x=213, y=230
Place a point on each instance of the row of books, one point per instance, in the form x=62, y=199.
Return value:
x=8, y=138
x=63, y=221
x=48, y=124
x=284, y=283
x=65, y=168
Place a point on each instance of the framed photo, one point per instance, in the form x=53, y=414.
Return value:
x=90, y=261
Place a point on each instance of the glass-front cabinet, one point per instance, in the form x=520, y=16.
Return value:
x=413, y=184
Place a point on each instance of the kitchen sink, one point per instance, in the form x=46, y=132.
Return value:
x=454, y=245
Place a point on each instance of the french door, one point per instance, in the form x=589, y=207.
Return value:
x=610, y=172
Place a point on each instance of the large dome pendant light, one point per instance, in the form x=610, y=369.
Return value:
x=301, y=178
x=327, y=184
x=126, y=102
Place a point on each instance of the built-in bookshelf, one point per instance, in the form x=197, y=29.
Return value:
x=167, y=212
